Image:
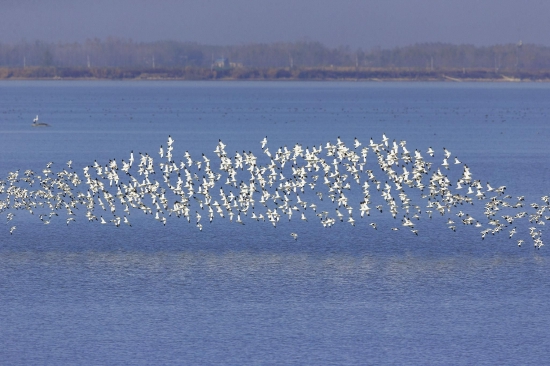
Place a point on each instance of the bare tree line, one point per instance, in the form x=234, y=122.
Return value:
x=113, y=52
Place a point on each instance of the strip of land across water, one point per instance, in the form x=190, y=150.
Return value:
x=244, y=73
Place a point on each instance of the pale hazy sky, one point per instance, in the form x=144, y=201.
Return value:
x=364, y=24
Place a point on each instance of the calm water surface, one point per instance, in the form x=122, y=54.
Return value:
x=232, y=294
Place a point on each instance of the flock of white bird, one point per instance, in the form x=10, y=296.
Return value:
x=325, y=174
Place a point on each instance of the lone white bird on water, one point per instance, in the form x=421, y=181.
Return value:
x=35, y=123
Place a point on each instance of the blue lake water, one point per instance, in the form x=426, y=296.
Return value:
x=87, y=293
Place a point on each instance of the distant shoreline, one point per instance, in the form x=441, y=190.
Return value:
x=273, y=74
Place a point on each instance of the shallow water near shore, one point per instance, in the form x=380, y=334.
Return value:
x=249, y=294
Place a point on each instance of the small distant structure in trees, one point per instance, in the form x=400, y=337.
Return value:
x=224, y=64
x=221, y=63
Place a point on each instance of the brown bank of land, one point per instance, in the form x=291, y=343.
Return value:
x=243, y=73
